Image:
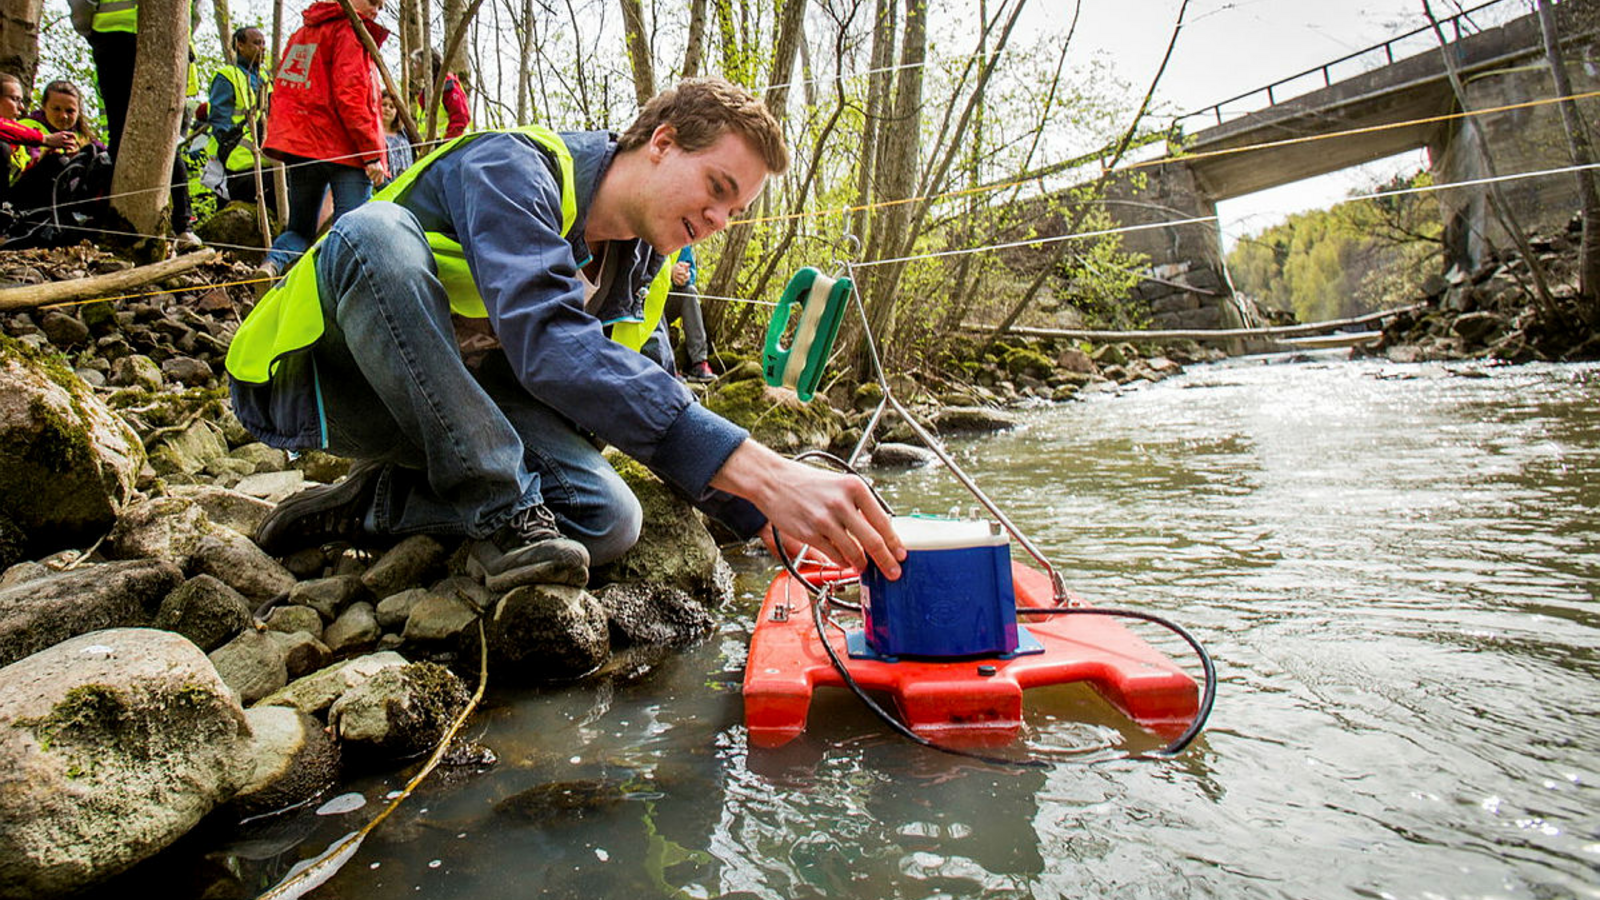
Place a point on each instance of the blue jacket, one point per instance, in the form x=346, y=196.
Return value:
x=500, y=196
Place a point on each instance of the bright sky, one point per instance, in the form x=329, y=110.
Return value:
x=1228, y=47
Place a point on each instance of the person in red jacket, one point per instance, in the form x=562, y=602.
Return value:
x=454, y=113
x=324, y=124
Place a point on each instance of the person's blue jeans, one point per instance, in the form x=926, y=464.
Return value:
x=308, y=180
x=468, y=447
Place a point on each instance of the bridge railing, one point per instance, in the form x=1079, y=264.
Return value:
x=1452, y=26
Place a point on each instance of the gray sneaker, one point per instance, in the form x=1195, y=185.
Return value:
x=528, y=550
x=322, y=514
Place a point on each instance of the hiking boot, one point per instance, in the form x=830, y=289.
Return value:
x=265, y=276
x=528, y=550
x=701, y=372
x=322, y=515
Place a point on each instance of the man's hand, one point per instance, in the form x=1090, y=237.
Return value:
x=833, y=513
x=680, y=274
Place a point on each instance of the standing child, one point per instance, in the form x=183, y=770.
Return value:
x=399, y=146
x=16, y=138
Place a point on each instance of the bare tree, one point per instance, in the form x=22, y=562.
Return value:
x=139, y=185
x=19, y=39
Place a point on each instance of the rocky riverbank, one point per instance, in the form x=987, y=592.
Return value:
x=1494, y=312
x=158, y=669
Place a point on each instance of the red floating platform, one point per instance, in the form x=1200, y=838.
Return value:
x=976, y=699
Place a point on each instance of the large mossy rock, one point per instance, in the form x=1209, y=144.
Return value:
x=67, y=463
x=675, y=549
x=775, y=416
x=112, y=746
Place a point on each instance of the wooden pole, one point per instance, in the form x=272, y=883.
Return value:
x=110, y=284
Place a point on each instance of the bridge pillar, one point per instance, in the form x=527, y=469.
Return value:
x=1188, y=286
x=1520, y=140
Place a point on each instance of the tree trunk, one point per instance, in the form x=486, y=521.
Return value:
x=139, y=184
x=524, y=72
x=644, y=71
x=878, y=83
x=697, y=39
x=899, y=152
x=455, y=17
x=1582, y=155
x=219, y=12
x=19, y=40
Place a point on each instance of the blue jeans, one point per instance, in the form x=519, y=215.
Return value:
x=308, y=180
x=467, y=447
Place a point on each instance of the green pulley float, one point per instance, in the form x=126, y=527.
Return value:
x=822, y=302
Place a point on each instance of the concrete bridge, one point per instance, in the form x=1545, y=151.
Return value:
x=1390, y=109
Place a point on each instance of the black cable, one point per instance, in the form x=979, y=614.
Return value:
x=1208, y=696
x=822, y=596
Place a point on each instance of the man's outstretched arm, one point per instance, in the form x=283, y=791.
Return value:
x=834, y=513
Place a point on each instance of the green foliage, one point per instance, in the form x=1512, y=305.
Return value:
x=1360, y=256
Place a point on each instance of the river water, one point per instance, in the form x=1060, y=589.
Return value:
x=1396, y=570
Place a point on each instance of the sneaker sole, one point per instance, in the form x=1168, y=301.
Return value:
x=549, y=572
x=346, y=491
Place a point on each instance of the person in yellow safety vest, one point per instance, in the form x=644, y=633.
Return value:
x=16, y=138
x=454, y=113
x=112, y=29
x=451, y=337
x=236, y=112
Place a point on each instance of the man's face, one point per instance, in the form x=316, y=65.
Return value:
x=61, y=111
x=692, y=196
x=10, y=100
x=251, y=47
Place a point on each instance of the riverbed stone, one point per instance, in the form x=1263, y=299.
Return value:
x=393, y=609
x=972, y=420
x=400, y=711
x=36, y=614
x=355, y=628
x=204, y=610
x=412, y=562
x=189, y=450
x=292, y=759
x=438, y=618
x=137, y=371
x=644, y=614
x=547, y=632
x=252, y=664
x=291, y=618
x=112, y=745
x=329, y=596
x=273, y=487
x=67, y=462
x=316, y=692
x=235, y=559
x=224, y=507
x=893, y=455
x=303, y=652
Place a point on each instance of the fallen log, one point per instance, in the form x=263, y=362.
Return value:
x=109, y=284
x=1198, y=334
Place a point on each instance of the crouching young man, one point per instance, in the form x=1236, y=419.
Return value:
x=463, y=336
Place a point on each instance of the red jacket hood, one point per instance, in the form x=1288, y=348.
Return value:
x=324, y=11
